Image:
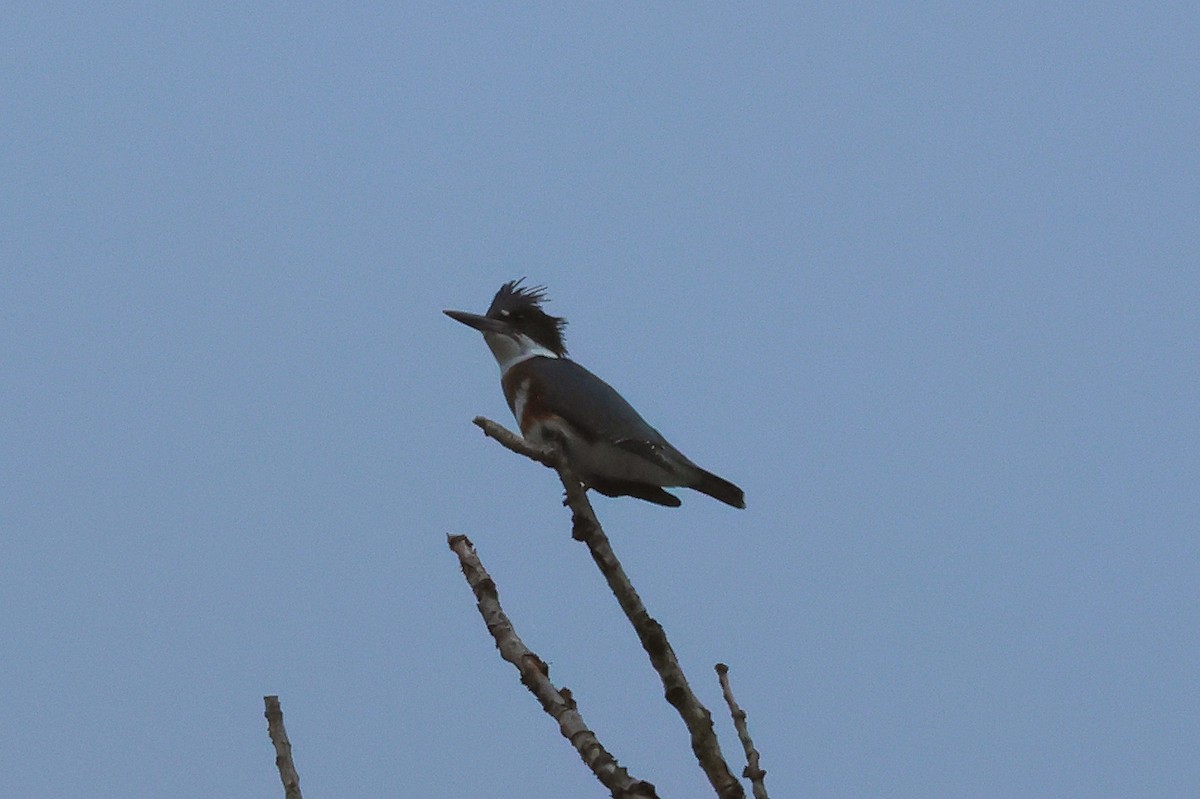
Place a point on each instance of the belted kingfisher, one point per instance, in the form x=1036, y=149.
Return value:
x=609, y=445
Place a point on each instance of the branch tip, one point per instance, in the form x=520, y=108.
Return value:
x=753, y=771
x=283, y=748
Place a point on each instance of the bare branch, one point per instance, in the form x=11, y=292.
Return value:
x=514, y=442
x=283, y=748
x=753, y=771
x=535, y=675
x=586, y=528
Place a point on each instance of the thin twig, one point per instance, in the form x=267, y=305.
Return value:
x=535, y=675
x=753, y=771
x=586, y=528
x=283, y=748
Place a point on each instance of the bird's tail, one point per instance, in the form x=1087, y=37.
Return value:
x=718, y=488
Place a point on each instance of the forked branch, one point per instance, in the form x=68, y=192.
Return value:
x=586, y=528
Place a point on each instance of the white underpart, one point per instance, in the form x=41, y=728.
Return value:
x=522, y=396
x=590, y=458
x=510, y=351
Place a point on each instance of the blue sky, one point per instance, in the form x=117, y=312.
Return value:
x=922, y=280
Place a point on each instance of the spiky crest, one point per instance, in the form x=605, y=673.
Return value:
x=522, y=305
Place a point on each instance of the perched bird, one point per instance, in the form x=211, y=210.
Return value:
x=609, y=446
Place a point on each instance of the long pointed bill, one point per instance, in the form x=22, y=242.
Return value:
x=481, y=323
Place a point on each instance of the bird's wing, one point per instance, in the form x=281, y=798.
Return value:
x=589, y=404
x=655, y=453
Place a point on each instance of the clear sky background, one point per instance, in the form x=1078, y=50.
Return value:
x=922, y=278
